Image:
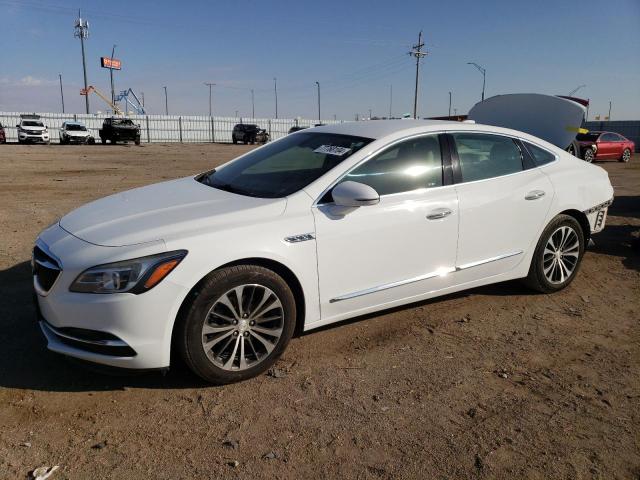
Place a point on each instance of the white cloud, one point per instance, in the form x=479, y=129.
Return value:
x=30, y=81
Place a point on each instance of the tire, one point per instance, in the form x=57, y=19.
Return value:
x=137, y=141
x=91, y=141
x=543, y=276
x=626, y=155
x=221, y=362
x=588, y=155
x=103, y=140
x=234, y=140
x=574, y=149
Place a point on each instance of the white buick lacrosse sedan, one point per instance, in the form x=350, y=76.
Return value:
x=325, y=224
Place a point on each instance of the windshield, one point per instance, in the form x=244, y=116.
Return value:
x=29, y=123
x=588, y=137
x=281, y=168
x=76, y=128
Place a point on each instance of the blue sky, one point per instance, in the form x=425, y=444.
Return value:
x=355, y=49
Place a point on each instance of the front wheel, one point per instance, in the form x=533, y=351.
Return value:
x=558, y=254
x=626, y=155
x=103, y=141
x=238, y=323
x=137, y=142
x=588, y=155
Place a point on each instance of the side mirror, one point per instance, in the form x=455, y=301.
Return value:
x=17, y=126
x=354, y=194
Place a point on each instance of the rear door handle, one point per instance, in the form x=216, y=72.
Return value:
x=438, y=213
x=534, y=195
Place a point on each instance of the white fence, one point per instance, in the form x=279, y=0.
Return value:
x=163, y=128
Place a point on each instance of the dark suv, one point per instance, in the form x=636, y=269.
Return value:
x=3, y=136
x=116, y=129
x=249, y=133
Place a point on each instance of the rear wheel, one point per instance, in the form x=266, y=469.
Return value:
x=558, y=254
x=626, y=155
x=238, y=323
x=103, y=140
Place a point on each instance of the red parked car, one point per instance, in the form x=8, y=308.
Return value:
x=604, y=145
x=3, y=137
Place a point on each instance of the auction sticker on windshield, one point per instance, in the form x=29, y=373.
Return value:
x=332, y=150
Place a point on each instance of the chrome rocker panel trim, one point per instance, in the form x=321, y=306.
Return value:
x=438, y=273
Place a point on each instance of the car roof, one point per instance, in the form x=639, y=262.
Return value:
x=381, y=128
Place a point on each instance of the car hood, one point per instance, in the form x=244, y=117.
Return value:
x=164, y=210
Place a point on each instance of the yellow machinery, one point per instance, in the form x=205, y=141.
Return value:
x=93, y=89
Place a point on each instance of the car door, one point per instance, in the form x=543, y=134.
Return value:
x=607, y=145
x=503, y=202
x=401, y=247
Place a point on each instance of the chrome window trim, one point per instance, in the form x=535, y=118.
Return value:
x=521, y=153
x=370, y=155
x=426, y=276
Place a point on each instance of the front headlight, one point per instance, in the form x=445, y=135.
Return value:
x=133, y=276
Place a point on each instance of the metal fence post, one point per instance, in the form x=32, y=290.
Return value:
x=180, y=127
x=213, y=133
x=148, y=135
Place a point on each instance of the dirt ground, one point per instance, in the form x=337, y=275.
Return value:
x=496, y=382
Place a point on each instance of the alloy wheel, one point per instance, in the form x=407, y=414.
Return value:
x=626, y=155
x=561, y=255
x=243, y=327
x=588, y=156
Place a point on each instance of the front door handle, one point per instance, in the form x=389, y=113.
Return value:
x=534, y=195
x=438, y=213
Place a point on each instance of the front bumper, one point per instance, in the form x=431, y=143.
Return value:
x=24, y=137
x=120, y=330
x=77, y=140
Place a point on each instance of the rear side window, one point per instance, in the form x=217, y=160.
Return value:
x=540, y=155
x=610, y=137
x=406, y=166
x=483, y=156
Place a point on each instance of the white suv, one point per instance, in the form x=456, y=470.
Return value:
x=32, y=130
x=74, y=132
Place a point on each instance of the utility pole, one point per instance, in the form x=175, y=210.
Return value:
x=318, y=84
x=586, y=118
x=275, y=89
x=61, y=93
x=390, y=100
x=417, y=52
x=236, y=113
x=449, y=104
x=166, y=102
x=210, y=107
x=369, y=114
x=484, y=74
x=253, y=105
x=82, y=32
x=609, y=110
x=113, y=93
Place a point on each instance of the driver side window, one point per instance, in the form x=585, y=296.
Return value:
x=403, y=167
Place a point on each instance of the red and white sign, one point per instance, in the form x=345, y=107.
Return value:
x=112, y=63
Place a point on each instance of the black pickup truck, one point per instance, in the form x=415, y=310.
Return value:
x=116, y=129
